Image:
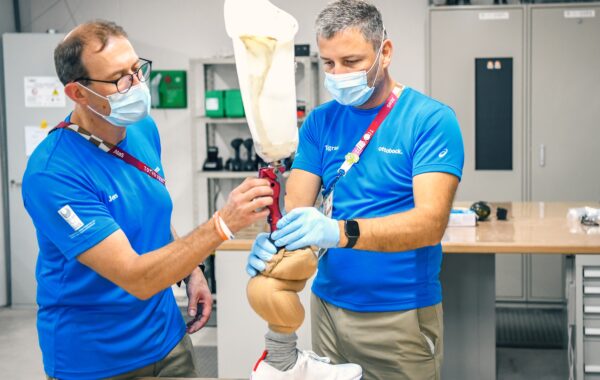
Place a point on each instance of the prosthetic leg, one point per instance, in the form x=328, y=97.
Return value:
x=264, y=53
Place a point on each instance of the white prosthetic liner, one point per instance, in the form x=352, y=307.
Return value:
x=263, y=43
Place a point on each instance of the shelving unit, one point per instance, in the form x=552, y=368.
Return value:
x=219, y=73
x=211, y=187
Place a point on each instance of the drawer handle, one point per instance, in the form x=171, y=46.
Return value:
x=592, y=369
x=591, y=309
x=590, y=331
x=591, y=290
x=591, y=273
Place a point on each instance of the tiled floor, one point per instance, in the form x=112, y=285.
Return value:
x=20, y=357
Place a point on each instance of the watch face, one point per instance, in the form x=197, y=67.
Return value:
x=352, y=229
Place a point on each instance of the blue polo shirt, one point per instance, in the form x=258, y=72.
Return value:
x=77, y=195
x=420, y=135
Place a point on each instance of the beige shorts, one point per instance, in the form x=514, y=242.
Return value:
x=388, y=345
x=178, y=363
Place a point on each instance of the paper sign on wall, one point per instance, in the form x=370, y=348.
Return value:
x=33, y=137
x=44, y=92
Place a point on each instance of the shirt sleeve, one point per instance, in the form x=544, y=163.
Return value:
x=67, y=212
x=438, y=145
x=308, y=155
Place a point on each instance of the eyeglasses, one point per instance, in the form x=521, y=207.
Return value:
x=124, y=83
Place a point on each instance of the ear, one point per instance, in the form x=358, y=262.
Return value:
x=76, y=93
x=386, y=53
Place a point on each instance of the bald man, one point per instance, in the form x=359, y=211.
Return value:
x=95, y=190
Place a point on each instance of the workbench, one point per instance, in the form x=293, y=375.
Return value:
x=468, y=283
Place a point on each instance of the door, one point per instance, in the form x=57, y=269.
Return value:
x=464, y=42
x=28, y=63
x=565, y=103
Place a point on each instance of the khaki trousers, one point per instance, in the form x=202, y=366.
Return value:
x=388, y=345
x=178, y=363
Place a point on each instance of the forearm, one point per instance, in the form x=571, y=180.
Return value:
x=159, y=269
x=302, y=190
x=419, y=227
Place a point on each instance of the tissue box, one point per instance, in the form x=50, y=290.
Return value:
x=462, y=217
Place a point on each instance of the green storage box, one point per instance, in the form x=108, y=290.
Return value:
x=234, y=107
x=214, y=103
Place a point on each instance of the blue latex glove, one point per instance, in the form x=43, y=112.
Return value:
x=306, y=226
x=262, y=251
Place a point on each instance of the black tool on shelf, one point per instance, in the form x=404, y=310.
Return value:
x=235, y=164
x=249, y=163
x=213, y=161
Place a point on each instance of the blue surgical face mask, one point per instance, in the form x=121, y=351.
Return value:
x=127, y=108
x=352, y=89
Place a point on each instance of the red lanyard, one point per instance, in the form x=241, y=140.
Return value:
x=112, y=149
x=354, y=156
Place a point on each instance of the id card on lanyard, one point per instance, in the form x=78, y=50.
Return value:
x=111, y=149
x=354, y=156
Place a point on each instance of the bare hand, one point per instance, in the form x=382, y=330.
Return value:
x=199, y=301
x=246, y=204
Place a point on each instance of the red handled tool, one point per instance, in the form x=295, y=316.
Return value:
x=274, y=174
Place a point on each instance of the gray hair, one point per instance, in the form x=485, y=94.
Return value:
x=344, y=14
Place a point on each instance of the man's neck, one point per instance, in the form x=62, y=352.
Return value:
x=380, y=94
x=97, y=126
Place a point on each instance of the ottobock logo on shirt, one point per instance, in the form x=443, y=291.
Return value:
x=70, y=217
x=330, y=148
x=385, y=150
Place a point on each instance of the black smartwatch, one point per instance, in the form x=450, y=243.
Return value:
x=352, y=232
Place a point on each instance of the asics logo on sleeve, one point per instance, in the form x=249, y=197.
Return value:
x=443, y=153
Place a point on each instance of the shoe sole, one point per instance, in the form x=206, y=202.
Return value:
x=359, y=377
x=354, y=378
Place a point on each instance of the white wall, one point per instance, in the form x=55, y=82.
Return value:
x=6, y=25
x=170, y=33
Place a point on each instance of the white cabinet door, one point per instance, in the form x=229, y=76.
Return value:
x=565, y=103
x=33, y=61
x=510, y=277
x=546, y=278
x=458, y=37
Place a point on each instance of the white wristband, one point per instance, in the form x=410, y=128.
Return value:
x=225, y=229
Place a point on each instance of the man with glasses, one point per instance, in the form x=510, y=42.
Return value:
x=95, y=190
